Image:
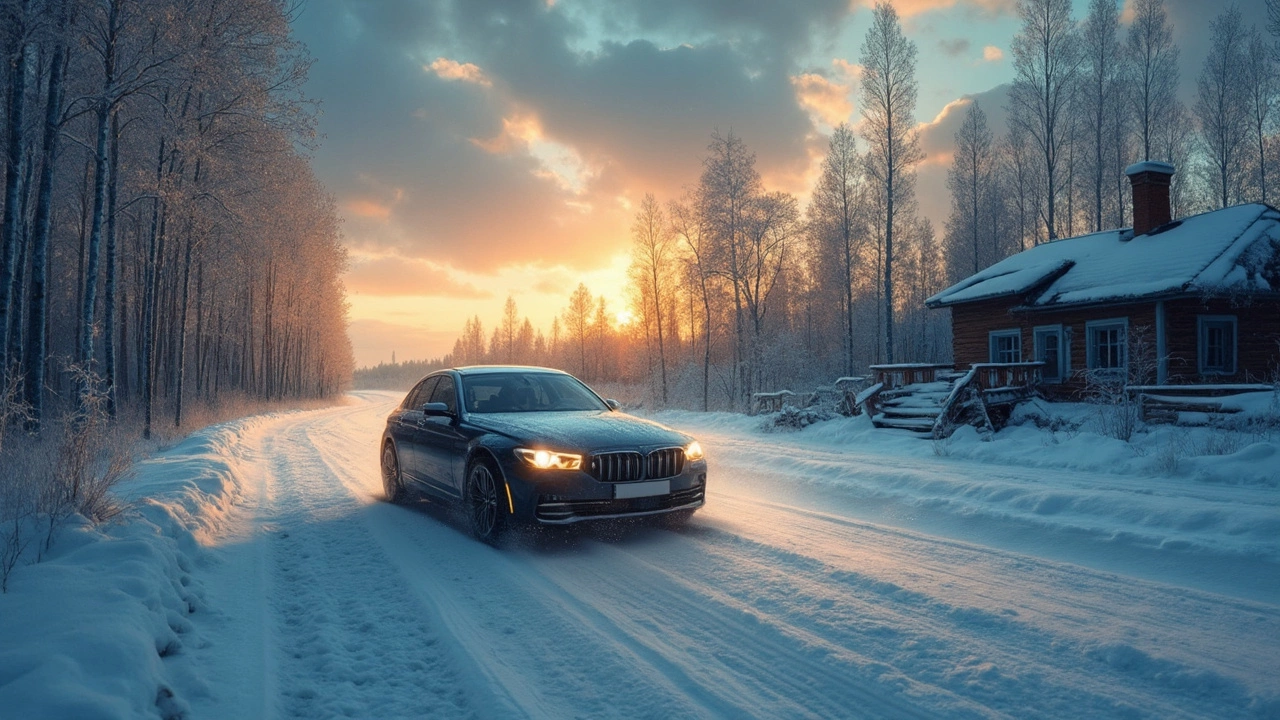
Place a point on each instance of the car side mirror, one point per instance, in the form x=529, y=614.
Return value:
x=613, y=404
x=435, y=409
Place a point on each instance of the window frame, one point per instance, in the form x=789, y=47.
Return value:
x=994, y=335
x=1202, y=324
x=418, y=392
x=1091, y=350
x=1058, y=330
x=446, y=381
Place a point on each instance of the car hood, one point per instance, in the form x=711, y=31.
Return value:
x=587, y=431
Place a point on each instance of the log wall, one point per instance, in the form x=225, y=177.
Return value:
x=1257, y=334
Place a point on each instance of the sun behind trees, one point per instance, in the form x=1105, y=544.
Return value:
x=164, y=242
x=733, y=290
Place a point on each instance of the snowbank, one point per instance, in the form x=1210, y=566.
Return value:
x=1210, y=491
x=97, y=629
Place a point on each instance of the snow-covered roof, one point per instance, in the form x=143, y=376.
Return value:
x=1235, y=249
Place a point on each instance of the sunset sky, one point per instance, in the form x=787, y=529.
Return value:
x=481, y=148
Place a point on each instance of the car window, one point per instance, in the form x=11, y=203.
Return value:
x=527, y=392
x=417, y=397
x=446, y=393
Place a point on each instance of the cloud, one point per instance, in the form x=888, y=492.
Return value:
x=367, y=209
x=828, y=101
x=954, y=48
x=391, y=275
x=564, y=135
x=454, y=70
x=849, y=71
x=991, y=53
x=519, y=131
x=937, y=140
x=910, y=8
x=771, y=30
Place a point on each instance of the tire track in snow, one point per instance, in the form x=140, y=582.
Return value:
x=996, y=626
x=348, y=638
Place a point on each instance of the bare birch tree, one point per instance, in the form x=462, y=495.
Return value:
x=836, y=221
x=970, y=180
x=1260, y=89
x=1101, y=87
x=652, y=254
x=1221, y=105
x=1153, y=66
x=889, y=100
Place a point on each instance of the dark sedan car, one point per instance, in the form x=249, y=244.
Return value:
x=534, y=445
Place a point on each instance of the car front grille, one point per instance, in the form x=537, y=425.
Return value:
x=665, y=463
x=632, y=466
x=617, y=467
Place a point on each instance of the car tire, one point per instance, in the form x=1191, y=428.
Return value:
x=486, y=513
x=392, y=479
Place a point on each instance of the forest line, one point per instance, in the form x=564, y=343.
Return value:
x=164, y=240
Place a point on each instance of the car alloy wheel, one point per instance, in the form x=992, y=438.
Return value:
x=392, y=483
x=485, y=510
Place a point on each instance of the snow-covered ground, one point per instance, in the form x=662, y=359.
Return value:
x=839, y=571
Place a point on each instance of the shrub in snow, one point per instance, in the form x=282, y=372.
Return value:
x=68, y=471
x=1119, y=412
x=794, y=418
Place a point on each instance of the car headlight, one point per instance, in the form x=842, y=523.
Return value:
x=548, y=460
x=693, y=451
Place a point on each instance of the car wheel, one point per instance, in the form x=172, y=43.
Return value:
x=392, y=481
x=484, y=508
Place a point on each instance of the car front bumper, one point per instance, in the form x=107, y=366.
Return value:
x=562, y=498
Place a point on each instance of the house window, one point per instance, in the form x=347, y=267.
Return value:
x=1217, y=344
x=1107, y=341
x=1006, y=346
x=1049, y=350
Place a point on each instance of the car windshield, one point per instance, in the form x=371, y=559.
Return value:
x=526, y=392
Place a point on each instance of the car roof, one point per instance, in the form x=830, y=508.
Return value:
x=494, y=369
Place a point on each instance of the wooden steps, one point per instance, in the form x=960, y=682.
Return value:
x=913, y=407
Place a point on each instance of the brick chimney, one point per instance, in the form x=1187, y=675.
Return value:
x=1150, y=181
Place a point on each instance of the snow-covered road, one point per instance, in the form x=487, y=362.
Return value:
x=789, y=595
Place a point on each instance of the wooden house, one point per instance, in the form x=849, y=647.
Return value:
x=1199, y=297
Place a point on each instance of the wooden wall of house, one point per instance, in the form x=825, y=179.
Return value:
x=1258, y=334
x=1257, y=338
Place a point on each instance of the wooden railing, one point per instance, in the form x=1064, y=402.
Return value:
x=900, y=374
x=766, y=402
x=999, y=376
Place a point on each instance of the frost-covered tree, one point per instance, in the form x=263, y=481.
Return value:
x=1153, y=70
x=727, y=189
x=836, y=225
x=971, y=181
x=1046, y=61
x=1221, y=106
x=1260, y=89
x=652, y=260
x=1100, y=99
x=889, y=91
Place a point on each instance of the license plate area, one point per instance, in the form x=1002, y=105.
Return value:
x=626, y=491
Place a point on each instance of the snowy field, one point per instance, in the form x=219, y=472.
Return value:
x=836, y=572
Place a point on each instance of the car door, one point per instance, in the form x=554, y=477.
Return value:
x=442, y=440
x=408, y=431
